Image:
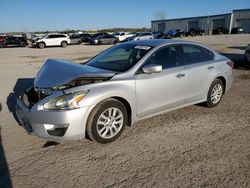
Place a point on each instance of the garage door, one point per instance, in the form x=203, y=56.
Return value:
x=193, y=24
x=218, y=23
x=161, y=27
x=245, y=23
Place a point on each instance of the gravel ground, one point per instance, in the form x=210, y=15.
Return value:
x=191, y=147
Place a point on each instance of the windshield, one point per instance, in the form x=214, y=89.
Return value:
x=119, y=58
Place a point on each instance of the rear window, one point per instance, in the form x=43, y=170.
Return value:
x=196, y=54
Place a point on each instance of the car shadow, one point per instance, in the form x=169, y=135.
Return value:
x=5, y=179
x=238, y=47
x=239, y=61
x=20, y=86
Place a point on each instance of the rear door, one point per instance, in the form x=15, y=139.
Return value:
x=199, y=67
x=160, y=91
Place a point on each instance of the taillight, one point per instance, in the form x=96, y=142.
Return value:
x=231, y=64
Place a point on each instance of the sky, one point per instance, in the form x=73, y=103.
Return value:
x=43, y=15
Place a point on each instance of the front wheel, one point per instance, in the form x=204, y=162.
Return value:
x=215, y=93
x=107, y=121
x=41, y=45
x=64, y=44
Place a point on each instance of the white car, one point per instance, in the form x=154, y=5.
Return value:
x=143, y=36
x=121, y=35
x=52, y=40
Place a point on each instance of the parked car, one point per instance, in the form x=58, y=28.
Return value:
x=14, y=42
x=220, y=31
x=126, y=83
x=52, y=40
x=158, y=35
x=237, y=30
x=142, y=36
x=104, y=39
x=195, y=32
x=75, y=39
x=85, y=37
x=247, y=53
x=2, y=38
x=121, y=35
x=174, y=33
x=97, y=35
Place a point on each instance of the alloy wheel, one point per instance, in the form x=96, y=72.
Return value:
x=109, y=123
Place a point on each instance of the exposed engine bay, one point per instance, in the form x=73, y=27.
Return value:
x=34, y=94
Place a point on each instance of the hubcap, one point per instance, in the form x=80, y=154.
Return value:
x=216, y=93
x=109, y=123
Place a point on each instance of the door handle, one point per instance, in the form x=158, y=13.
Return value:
x=210, y=67
x=180, y=75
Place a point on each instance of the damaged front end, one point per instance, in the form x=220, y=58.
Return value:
x=33, y=95
x=58, y=75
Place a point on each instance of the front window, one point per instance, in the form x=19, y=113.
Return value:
x=119, y=58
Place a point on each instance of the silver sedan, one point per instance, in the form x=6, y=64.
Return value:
x=126, y=83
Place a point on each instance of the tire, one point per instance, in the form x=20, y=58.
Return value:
x=64, y=44
x=107, y=113
x=23, y=44
x=114, y=42
x=1, y=45
x=41, y=45
x=215, y=93
x=99, y=42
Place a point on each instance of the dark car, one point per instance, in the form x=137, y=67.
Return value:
x=158, y=35
x=75, y=39
x=195, y=32
x=14, y=42
x=237, y=30
x=220, y=31
x=85, y=37
x=174, y=33
x=97, y=35
x=104, y=39
x=2, y=38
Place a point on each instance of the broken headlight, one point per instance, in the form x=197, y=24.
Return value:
x=65, y=102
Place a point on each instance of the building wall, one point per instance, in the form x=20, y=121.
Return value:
x=239, y=18
x=206, y=22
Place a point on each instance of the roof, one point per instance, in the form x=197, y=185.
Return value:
x=189, y=18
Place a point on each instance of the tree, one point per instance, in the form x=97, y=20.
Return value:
x=160, y=15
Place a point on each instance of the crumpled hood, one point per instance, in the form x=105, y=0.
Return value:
x=59, y=72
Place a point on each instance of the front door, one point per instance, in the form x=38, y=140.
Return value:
x=157, y=92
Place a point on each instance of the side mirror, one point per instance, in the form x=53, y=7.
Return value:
x=152, y=68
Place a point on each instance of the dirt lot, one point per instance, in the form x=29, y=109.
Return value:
x=191, y=147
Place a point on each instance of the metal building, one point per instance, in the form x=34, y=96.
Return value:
x=238, y=18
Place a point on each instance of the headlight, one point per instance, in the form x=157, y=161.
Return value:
x=65, y=102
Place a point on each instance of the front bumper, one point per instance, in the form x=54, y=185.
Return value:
x=70, y=124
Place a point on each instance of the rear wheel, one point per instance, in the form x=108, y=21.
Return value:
x=23, y=44
x=114, y=42
x=107, y=121
x=64, y=44
x=215, y=93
